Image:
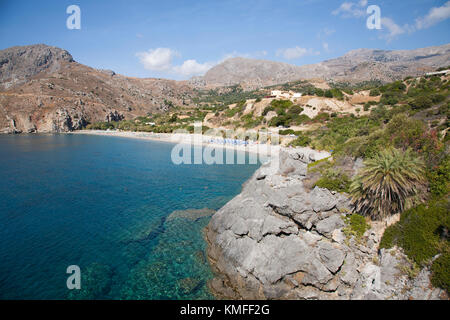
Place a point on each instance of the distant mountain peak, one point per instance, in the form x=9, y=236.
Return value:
x=355, y=66
x=18, y=64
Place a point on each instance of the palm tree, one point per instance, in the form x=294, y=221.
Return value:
x=387, y=183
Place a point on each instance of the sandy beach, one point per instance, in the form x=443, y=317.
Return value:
x=262, y=150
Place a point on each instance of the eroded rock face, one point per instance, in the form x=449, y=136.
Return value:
x=277, y=241
x=19, y=64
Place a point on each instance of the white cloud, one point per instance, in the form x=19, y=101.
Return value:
x=295, y=53
x=434, y=16
x=350, y=9
x=393, y=29
x=159, y=59
x=326, y=47
x=192, y=68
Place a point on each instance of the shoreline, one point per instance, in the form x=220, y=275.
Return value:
x=262, y=150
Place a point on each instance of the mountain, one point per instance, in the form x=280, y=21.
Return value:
x=42, y=89
x=355, y=66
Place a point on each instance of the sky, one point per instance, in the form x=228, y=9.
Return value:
x=178, y=39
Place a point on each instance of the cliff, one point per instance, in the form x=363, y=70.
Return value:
x=280, y=240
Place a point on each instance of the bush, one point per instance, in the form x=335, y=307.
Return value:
x=295, y=110
x=439, y=178
x=301, y=141
x=374, y=92
x=441, y=272
x=356, y=226
x=286, y=132
x=334, y=181
x=417, y=232
x=267, y=110
x=421, y=102
x=336, y=93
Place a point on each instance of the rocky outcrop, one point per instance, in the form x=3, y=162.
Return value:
x=114, y=116
x=66, y=120
x=19, y=64
x=279, y=240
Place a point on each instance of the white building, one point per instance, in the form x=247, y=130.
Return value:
x=439, y=73
x=276, y=93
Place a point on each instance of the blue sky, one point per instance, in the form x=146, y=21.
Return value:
x=178, y=39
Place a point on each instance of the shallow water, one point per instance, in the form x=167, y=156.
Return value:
x=103, y=203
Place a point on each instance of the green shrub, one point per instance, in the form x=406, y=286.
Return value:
x=374, y=92
x=441, y=272
x=421, y=102
x=301, y=141
x=300, y=119
x=267, y=110
x=356, y=226
x=334, y=181
x=286, y=132
x=439, y=178
x=295, y=110
x=336, y=93
x=417, y=232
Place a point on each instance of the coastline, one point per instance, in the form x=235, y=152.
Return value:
x=262, y=150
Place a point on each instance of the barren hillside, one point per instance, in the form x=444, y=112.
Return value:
x=42, y=89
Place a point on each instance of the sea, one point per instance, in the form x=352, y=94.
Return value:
x=117, y=208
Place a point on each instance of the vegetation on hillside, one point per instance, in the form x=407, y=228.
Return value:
x=402, y=139
x=423, y=234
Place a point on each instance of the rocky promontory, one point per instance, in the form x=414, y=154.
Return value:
x=279, y=239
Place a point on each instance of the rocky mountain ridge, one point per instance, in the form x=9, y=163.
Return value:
x=355, y=66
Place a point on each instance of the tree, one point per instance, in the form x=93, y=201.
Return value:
x=387, y=183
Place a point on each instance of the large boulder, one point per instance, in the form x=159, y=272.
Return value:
x=277, y=240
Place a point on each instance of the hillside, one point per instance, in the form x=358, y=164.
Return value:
x=355, y=66
x=42, y=89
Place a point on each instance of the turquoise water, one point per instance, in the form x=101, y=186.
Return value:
x=103, y=203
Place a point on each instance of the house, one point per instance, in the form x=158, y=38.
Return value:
x=276, y=93
x=439, y=73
